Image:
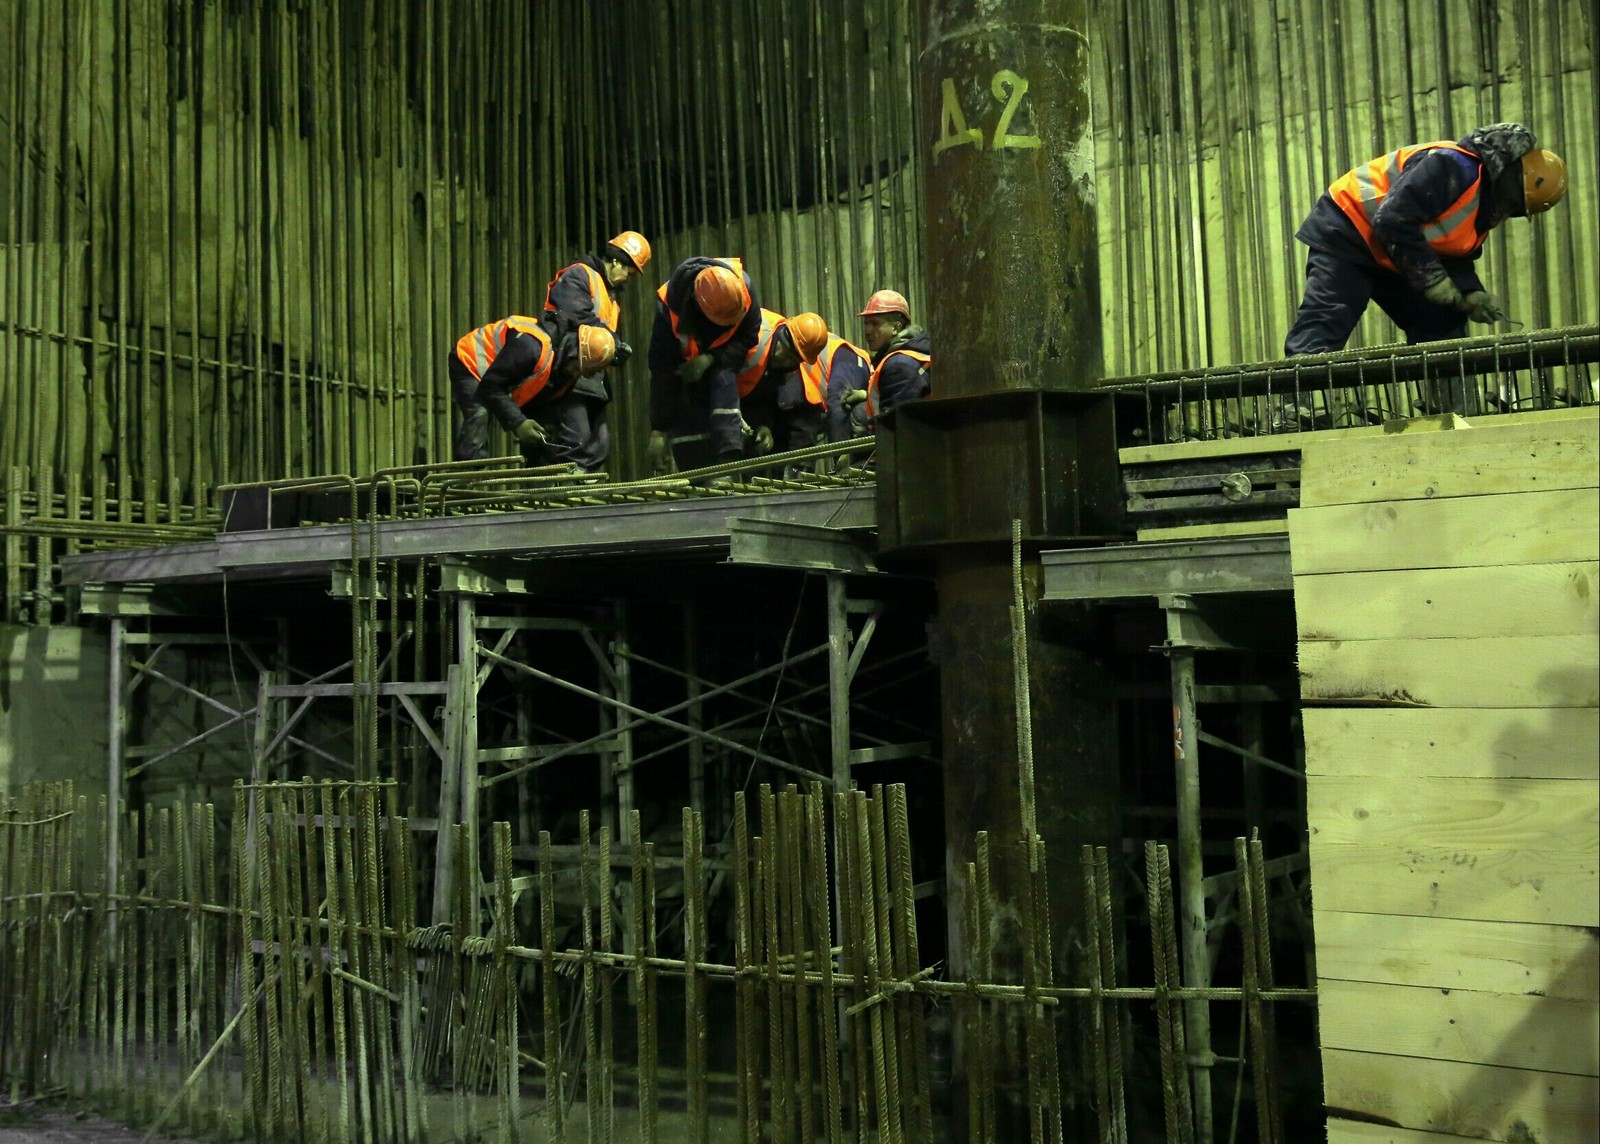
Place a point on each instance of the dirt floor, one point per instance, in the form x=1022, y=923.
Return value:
x=47, y=1126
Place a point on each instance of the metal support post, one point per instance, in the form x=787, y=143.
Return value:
x=696, y=717
x=1191, y=872
x=839, y=680
x=467, y=733
x=115, y=794
x=622, y=665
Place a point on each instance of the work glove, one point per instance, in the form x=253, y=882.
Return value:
x=530, y=432
x=1482, y=307
x=763, y=437
x=854, y=397
x=694, y=369
x=624, y=352
x=658, y=455
x=1443, y=292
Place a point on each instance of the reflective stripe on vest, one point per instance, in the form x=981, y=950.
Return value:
x=755, y=362
x=1359, y=193
x=686, y=344
x=872, y=382
x=478, y=350
x=606, y=308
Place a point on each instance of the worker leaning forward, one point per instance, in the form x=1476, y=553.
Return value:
x=902, y=361
x=707, y=321
x=1404, y=231
x=589, y=292
x=783, y=408
x=839, y=371
x=517, y=369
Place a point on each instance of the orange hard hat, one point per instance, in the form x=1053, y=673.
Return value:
x=1544, y=180
x=633, y=244
x=810, y=335
x=596, y=348
x=887, y=302
x=721, y=296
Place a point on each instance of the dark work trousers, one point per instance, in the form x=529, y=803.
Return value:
x=1337, y=293
x=708, y=429
x=577, y=430
x=472, y=418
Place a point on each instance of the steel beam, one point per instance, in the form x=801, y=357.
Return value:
x=607, y=530
x=1169, y=567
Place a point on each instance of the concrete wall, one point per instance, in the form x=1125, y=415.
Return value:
x=53, y=707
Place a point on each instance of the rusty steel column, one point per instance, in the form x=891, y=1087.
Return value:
x=1007, y=155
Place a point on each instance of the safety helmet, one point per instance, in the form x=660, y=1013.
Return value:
x=720, y=294
x=810, y=335
x=596, y=348
x=633, y=244
x=1544, y=180
x=887, y=302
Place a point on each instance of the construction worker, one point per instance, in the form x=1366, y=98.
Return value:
x=841, y=369
x=901, y=360
x=589, y=292
x=515, y=368
x=773, y=395
x=1404, y=230
x=707, y=321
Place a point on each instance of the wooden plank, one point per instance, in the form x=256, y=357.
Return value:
x=1464, y=814
x=1495, y=671
x=1504, y=600
x=1461, y=532
x=1487, y=957
x=1477, y=1102
x=1548, y=1034
x=1480, y=742
x=1221, y=528
x=1557, y=887
x=1479, y=462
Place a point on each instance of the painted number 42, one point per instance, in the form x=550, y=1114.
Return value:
x=1008, y=87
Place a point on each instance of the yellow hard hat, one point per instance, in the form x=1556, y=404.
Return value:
x=1544, y=180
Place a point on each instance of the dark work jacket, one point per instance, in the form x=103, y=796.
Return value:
x=903, y=378
x=515, y=362
x=666, y=354
x=1422, y=192
x=569, y=295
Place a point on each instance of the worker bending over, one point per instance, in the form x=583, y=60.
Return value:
x=589, y=292
x=517, y=368
x=774, y=397
x=840, y=370
x=901, y=360
x=707, y=320
x=1405, y=229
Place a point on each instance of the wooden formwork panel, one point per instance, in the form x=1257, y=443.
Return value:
x=1547, y=1034
x=1460, y=1101
x=1468, y=463
x=1470, y=815
x=1462, y=532
x=1435, y=603
x=1494, y=957
x=1491, y=671
x=1426, y=742
x=1553, y=886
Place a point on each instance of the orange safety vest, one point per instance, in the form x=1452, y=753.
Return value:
x=686, y=343
x=816, y=375
x=755, y=362
x=872, y=382
x=608, y=308
x=478, y=350
x=1359, y=193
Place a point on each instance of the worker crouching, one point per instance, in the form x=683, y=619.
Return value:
x=781, y=406
x=515, y=370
